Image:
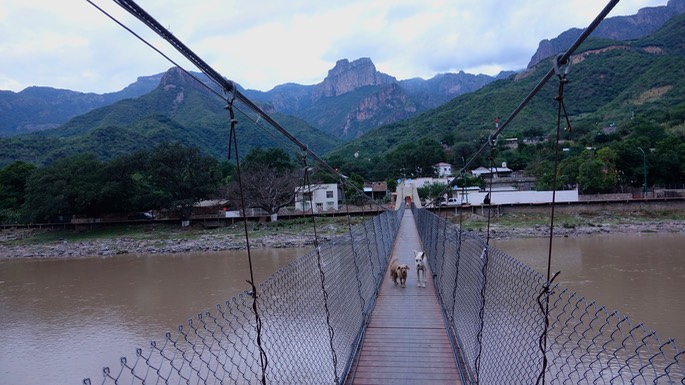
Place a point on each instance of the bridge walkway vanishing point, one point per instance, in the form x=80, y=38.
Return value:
x=406, y=341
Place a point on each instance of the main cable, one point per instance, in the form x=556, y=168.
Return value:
x=170, y=60
x=227, y=85
x=559, y=60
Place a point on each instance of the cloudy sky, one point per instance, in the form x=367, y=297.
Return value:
x=262, y=43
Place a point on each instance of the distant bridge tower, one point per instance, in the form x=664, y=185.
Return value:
x=407, y=193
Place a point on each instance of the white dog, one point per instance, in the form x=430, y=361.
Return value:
x=420, y=259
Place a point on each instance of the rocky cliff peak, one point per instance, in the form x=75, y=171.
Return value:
x=175, y=77
x=646, y=21
x=348, y=76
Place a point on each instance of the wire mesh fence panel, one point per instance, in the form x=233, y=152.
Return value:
x=310, y=315
x=494, y=307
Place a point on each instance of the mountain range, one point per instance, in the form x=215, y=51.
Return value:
x=352, y=99
x=355, y=97
x=355, y=102
x=621, y=28
x=611, y=84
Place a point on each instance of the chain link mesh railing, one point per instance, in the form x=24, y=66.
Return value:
x=219, y=347
x=491, y=303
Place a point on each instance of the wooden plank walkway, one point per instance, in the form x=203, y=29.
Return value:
x=406, y=341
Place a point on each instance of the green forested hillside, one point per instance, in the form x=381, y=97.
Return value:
x=177, y=111
x=626, y=84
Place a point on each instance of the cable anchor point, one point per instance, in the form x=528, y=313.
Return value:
x=492, y=140
x=562, y=69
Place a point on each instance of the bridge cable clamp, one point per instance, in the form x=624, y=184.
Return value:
x=561, y=69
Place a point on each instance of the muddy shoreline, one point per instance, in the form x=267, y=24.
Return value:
x=217, y=241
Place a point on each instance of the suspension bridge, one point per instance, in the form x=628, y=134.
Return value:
x=333, y=316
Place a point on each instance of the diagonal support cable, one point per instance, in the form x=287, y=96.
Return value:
x=226, y=85
x=561, y=59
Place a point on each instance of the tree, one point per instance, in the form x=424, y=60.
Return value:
x=568, y=171
x=667, y=163
x=12, y=189
x=354, y=190
x=13, y=184
x=273, y=158
x=392, y=184
x=69, y=186
x=432, y=190
x=597, y=173
x=269, y=179
x=177, y=176
x=122, y=190
x=416, y=159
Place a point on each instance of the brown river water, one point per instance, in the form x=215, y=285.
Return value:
x=63, y=320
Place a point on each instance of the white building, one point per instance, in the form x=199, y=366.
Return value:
x=424, y=181
x=495, y=171
x=443, y=169
x=323, y=196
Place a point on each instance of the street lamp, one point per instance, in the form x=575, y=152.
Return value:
x=644, y=168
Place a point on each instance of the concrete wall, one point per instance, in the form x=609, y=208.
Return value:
x=516, y=197
x=598, y=207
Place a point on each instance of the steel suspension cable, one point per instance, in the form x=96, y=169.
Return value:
x=560, y=60
x=546, y=288
x=226, y=85
x=322, y=274
x=485, y=257
x=458, y=257
x=264, y=362
x=187, y=72
x=169, y=59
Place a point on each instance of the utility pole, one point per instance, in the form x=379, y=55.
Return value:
x=644, y=171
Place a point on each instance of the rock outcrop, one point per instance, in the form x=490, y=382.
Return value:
x=349, y=76
x=646, y=21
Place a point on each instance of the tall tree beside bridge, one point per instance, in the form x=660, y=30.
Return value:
x=269, y=180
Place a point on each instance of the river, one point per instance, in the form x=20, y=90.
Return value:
x=640, y=275
x=64, y=319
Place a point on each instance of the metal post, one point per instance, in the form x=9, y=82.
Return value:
x=465, y=191
x=644, y=168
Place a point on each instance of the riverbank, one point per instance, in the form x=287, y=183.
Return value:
x=532, y=225
x=153, y=238
x=163, y=238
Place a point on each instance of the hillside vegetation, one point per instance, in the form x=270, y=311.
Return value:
x=179, y=110
x=636, y=88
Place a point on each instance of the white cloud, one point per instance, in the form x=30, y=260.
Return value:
x=69, y=44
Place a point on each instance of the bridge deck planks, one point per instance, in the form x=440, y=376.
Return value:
x=406, y=341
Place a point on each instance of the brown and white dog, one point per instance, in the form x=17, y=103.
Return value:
x=398, y=271
x=420, y=259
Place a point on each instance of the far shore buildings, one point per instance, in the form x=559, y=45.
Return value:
x=443, y=169
x=504, y=185
x=323, y=197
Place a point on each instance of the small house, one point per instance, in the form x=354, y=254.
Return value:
x=324, y=197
